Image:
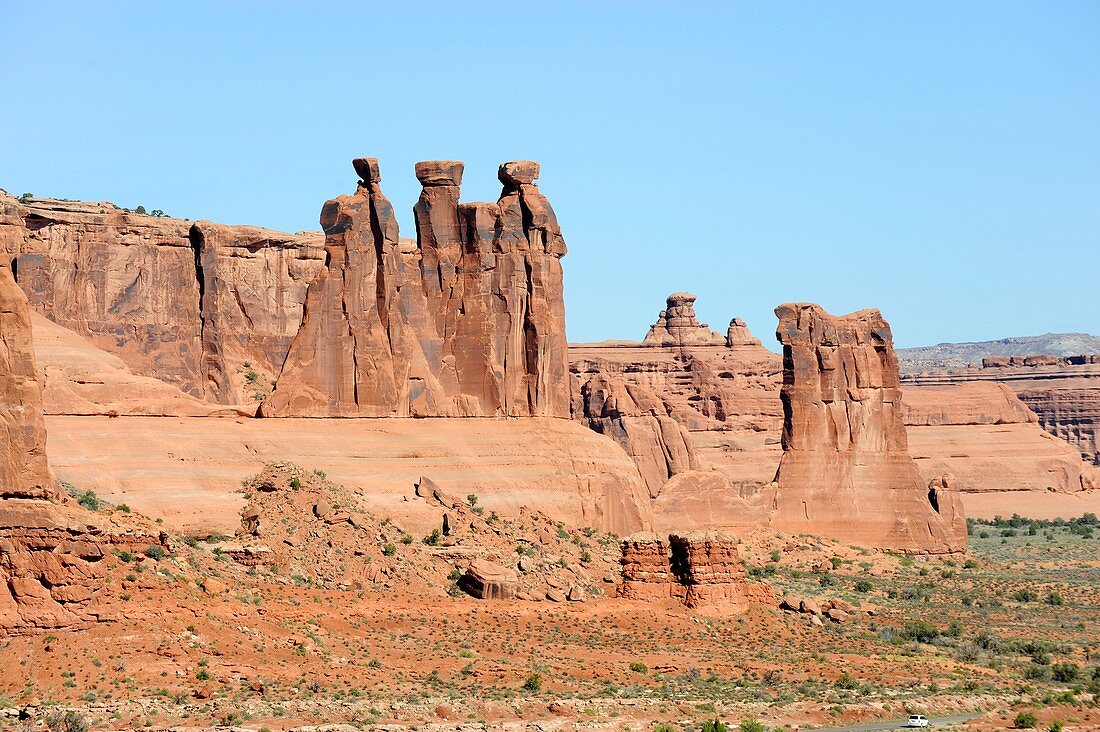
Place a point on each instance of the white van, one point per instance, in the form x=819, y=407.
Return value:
x=917, y=720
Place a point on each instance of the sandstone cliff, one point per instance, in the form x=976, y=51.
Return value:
x=467, y=321
x=1062, y=391
x=210, y=309
x=23, y=469
x=846, y=471
x=50, y=548
x=657, y=397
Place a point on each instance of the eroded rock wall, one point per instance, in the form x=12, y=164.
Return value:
x=469, y=320
x=50, y=548
x=24, y=472
x=846, y=472
x=189, y=304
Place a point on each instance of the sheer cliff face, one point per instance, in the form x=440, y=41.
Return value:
x=846, y=471
x=469, y=320
x=23, y=469
x=189, y=304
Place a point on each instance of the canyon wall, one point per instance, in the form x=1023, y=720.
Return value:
x=208, y=308
x=50, y=548
x=846, y=471
x=468, y=320
x=1062, y=391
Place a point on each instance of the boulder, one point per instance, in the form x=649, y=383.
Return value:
x=486, y=580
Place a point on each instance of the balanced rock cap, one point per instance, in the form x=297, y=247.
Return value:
x=440, y=172
x=367, y=170
x=518, y=172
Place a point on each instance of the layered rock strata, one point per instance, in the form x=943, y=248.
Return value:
x=210, y=309
x=469, y=320
x=701, y=569
x=846, y=472
x=1062, y=391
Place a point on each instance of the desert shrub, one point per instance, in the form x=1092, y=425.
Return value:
x=920, y=631
x=389, y=549
x=1025, y=595
x=1057, y=726
x=1035, y=672
x=1025, y=720
x=970, y=564
x=638, y=667
x=88, y=500
x=967, y=652
x=472, y=499
x=1053, y=598
x=140, y=210
x=751, y=725
x=533, y=682
x=156, y=552
x=433, y=538
x=863, y=586
x=203, y=675
x=847, y=682
x=406, y=539
x=296, y=483
x=775, y=555
x=665, y=727
x=69, y=721
x=1064, y=673
x=714, y=725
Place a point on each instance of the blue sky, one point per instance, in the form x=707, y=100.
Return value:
x=937, y=160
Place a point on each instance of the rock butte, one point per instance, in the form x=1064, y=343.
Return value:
x=703, y=423
x=469, y=321
x=846, y=471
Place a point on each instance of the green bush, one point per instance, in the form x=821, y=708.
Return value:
x=863, y=586
x=1025, y=595
x=1053, y=598
x=638, y=667
x=1025, y=720
x=533, y=682
x=88, y=500
x=1064, y=673
x=714, y=725
x=920, y=631
x=751, y=725
x=389, y=549
x=433, y=538
x=156, y=552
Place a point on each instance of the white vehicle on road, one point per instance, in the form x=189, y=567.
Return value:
x=917, y=720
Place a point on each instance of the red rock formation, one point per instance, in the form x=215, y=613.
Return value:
x=846, y=472
x=49, y=548
x=700, y=569
x=678, y=326
x=189, y=304
x=670, y=406
x=646, y=572
x=23, y=469
x=708, y=566
x=1062, y=391
x=469, y=321
x=634, y=417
